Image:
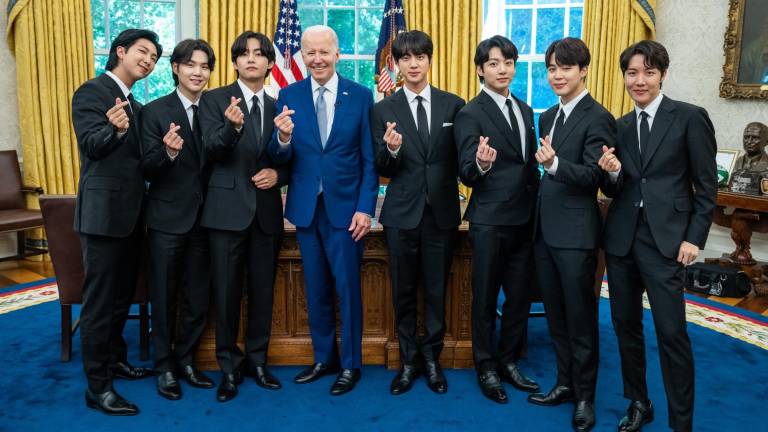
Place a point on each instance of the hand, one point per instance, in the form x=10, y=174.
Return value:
x=361, y=224
x=545, y=155
x=234, y=114
x=173, y=142
x=688, y=253
x=486, y=155
x=284, y=124
x=392, y=137
x=608, y=161
x=118, y=117
x=265, y=179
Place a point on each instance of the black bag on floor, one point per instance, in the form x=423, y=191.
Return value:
x=713, y=279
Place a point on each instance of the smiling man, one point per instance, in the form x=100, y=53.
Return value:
x=106, y=120
x=323, y=132
x=176, y=167
x=243, y=211
x=663, y=181
x=496, y=144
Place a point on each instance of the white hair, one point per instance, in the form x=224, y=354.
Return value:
x=318, y=29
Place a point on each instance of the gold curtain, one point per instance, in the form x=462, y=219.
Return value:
x=609, y=27
x=222, y=20
x=53, y=45
x=455, y=28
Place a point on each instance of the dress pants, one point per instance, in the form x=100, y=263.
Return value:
x=421, y=255
x=111, y=267
x=566, y=278
x=233, y=254
x=179, y=273
x=331, y=260
x=644, y=268
x=501, y=258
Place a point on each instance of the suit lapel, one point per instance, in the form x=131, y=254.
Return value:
x=341, y=107
x=307, y=102
x=578, y=113
x=179, y=116
x=437, y=114
x=530, y=147
x=405, y=120
x=269, y=115
x=132, y=112
x=497, y=118
x=661, y=123
x=630, y=137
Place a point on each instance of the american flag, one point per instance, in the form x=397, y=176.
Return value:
x=289, y=67
x=392, y=24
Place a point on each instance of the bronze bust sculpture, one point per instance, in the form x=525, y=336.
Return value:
x=755, y=139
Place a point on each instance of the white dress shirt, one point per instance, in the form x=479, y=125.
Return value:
x=331, y=91
x=413, y=104
x=248, y=96
x=501, y=101
x=651, y=110
x=566, y=109
x=187, y=104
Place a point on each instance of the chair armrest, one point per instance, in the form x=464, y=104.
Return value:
x=32, y=189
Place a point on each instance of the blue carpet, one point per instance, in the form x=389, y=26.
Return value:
x=37, y=392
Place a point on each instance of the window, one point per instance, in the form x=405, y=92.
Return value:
x=172, y=20
x=357, y=23
x=532, y=25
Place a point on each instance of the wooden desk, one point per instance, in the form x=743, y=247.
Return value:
x=750, y=214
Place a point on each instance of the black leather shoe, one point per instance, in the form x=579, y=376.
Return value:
x=168, y=387
x=345, y=381
x=556, y=396
x=583, y=416
x=435, y=379
x=195, y=378
x=110, y=403
x=491, y=386
x=638, y=414
x=265, y=379
x=228, y=387
x=511, y=374
x=404, y=379
x=126, y=371
x=314, y=372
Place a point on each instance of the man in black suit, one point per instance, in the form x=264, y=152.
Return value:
x=243, y=211
x=413, y=134
x=568, y=224
x=496, y=144
x=108, y=212
x=662, y=178
x=175, y=165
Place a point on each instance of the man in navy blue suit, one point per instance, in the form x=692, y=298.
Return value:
x=323, y=130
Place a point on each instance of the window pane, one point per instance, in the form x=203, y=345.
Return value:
x=574, y=26
x=543, y=97
x=519, y=86
x=549, y=27
x=365, y=73
x=341, y=2
x=99, y=30
x=161, y=18
x=519, y=29
x=366, y=3
x=160, y=82
x=519, y=2
x=123, y=14
x=99, y=62
x=368, y=30
x=343, y=21
x=310, y=16
x=346, y=68
x=311, y=3
x=552, y=1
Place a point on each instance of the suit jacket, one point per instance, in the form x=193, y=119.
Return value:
x=111, y=186
x=567, y=206
x=505, y=195
x=418, y=174
x=345, y=165
x=676, y=180
x=232, y=200
x=176, y=187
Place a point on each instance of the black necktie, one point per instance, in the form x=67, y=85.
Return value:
x=513, y=125
x=558, y=122
x=645, y=131
x=422, y=123
x=256, y=119
x=131, y=102
x=195, y=124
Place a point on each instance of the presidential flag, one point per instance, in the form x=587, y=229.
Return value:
x=392, y=24
x=289, y=67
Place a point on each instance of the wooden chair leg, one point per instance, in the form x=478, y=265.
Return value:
x=21, y=244
x=144, y=331
x=66, y=333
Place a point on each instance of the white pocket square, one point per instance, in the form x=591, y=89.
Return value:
x=447, y=124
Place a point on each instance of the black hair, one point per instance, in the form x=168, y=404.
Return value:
x=240, y=45
x=183, y=51
x=654, y=55
x=126, y=39
x=414, y=42
x=568, y=52
x=482, y=52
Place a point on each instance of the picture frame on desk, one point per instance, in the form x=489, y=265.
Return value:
x=726, y=161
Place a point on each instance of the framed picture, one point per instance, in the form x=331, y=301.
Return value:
x=745, y=72
x=726, y=160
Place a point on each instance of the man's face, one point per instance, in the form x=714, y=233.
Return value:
x=643, y=83
x=753, y=143
x=320, y=55
x=415, y=68
x=139, y=60
x=567, y=81
x=252, y=65
x=193, y=75
x=498, y=72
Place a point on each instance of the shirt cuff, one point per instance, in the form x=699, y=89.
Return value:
x=552, y=170
x=171, y=156
x=120, y=135
x=283, y=145
x=394, y=153
x=614, y=176
x=483, y=171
